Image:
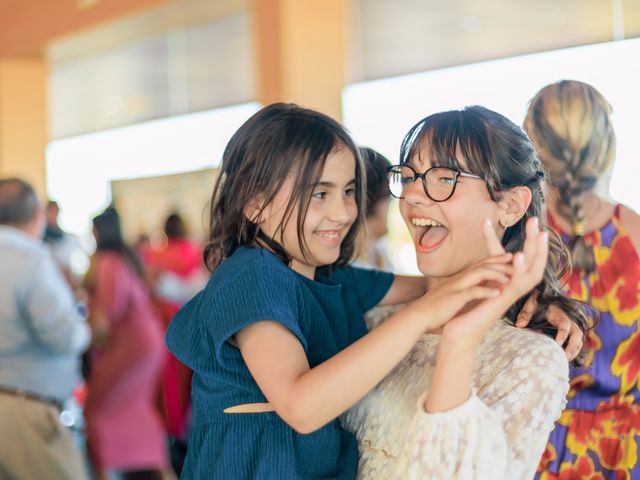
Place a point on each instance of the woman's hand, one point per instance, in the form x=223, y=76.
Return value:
x=467, y=329
x=555, y=316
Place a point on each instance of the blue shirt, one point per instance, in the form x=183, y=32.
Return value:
x=325, y=314
x=41, y=331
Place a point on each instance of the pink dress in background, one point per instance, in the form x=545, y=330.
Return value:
x=182, y=258
x=124, y=430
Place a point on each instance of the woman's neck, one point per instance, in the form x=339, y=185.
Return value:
x=597, y=211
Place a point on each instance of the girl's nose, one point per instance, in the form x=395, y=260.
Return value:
x=341, y=210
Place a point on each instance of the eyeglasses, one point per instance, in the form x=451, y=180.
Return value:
x=439, y=182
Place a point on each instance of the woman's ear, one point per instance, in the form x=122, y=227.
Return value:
x=514, y=204
x=254, y=210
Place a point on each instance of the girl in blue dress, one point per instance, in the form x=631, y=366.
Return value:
x=277, y=340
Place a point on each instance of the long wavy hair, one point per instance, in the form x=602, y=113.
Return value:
x=570, y=125
x=500, y=152
x=278, y=142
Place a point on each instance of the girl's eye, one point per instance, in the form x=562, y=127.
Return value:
x=350, y=192
x=319, y=195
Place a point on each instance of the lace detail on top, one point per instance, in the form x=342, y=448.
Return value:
x=521, y=379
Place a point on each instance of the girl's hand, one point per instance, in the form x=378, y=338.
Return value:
x=568, y=331
x=467, y=329
x=441, y=303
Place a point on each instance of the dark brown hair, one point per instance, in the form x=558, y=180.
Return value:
x=278, y=142
x=109, y=238
x=174, y=226
x=570, y=124
x=377, y=186
x=500, y=152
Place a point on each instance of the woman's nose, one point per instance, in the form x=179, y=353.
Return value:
x=414, y=193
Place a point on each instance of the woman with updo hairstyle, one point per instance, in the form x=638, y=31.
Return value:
x=596, y=436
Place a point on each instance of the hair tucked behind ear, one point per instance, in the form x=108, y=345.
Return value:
x=569, y=123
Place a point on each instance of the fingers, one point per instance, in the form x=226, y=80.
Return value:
x=531, y=234
x=482, y=273
x=493, y=243
x=527, y=311
x=539, y=260
x=479, y=292
x=503, y=258
x=574, y=345
x=562, y=322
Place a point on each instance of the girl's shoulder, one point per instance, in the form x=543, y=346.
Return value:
x=250, y=266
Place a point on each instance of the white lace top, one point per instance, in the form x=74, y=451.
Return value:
x=520, y=384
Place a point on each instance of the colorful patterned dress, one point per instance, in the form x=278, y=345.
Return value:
x=597, y=437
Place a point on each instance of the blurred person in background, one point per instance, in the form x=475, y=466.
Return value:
x=596, y=436
x=178, y=272
x=65, y=247
x=372, y=243
x=124, y=429
x=42, y=335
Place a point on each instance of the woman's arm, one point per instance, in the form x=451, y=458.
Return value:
x=451, y=383
x=502, y=435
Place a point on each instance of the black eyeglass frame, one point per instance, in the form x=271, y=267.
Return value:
x=423, y=176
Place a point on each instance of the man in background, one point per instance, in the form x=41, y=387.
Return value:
x=65, y=247
x=42, y=335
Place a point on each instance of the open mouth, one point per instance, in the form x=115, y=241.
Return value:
x=429, y=234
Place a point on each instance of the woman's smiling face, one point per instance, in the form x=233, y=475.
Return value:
x=447, y=235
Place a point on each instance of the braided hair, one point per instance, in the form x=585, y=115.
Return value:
x=569, y=123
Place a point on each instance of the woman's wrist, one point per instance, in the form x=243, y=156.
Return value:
x=459, y=344
x=452, y=377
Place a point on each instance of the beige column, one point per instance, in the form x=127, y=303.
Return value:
x=23, y=119
x=301, y=50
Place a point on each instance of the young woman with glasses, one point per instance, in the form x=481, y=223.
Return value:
x=477, y=399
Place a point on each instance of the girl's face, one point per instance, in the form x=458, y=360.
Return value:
x=332, y=211
x=448, y=235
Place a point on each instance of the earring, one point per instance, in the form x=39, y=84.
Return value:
x=504, y=225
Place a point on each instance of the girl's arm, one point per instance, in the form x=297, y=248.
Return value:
x=407, y=288
x=308, y=398
x=404, y=289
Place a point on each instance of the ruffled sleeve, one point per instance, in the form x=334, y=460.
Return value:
x=502, y=435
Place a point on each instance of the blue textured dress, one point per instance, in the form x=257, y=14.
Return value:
x=325, y=314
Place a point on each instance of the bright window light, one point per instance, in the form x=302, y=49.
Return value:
x=79, y=169
x=379, y=113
